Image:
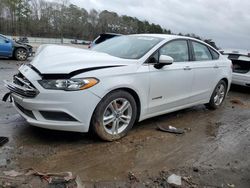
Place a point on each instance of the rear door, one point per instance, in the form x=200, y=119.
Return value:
x=171, y=86
x=5, y=47
x=206, y=69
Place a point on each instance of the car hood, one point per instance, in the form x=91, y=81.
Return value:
x=19, y=44
x=55, y=59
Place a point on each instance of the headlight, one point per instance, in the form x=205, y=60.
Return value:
x=69, y=84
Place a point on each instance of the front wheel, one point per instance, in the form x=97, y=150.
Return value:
x=114, y=115
x=218, y=95
x=21, y=54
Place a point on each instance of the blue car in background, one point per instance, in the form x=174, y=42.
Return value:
x=12, y=49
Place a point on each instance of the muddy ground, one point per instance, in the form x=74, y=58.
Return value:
x=214, y=151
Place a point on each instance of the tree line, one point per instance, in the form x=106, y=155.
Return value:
x=41, y=18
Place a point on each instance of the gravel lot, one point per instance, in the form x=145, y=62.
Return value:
x=214, y=152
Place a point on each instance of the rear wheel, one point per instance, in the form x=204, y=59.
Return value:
x=114, y=116
x=218, y=95
x=21, y=54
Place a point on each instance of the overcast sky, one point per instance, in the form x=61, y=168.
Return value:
x=227, y=22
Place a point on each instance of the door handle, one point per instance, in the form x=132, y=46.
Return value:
x=187, y=68
x=216, y=66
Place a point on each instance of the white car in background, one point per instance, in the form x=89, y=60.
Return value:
x=241, y=65
x=118, y=82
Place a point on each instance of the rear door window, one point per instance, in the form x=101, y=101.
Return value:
x=201, y=52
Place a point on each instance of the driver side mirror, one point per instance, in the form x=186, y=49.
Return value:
x=164, y=60
x=7, y=41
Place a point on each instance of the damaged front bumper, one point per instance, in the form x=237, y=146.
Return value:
x=21, y=90
x=51, y=109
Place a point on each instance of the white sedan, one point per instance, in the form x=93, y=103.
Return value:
x=241, y=66
x=118, y=82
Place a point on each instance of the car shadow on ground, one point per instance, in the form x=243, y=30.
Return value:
x=13, y=60
x=240, y=89
x=62, y=137
x=47, y=136
x=6, y=58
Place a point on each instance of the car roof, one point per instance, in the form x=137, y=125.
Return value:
x=171, y=37
x=164, y=36
x=113, y=34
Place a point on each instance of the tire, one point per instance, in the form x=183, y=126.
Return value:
x=114, y=116
x=21, y=54
x=218, y=96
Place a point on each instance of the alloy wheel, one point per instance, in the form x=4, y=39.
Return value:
x=219, y=94
x=21, y=55
x=117, y=116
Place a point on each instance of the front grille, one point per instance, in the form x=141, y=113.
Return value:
x=28, y=113
x=21, y=86
x=57, y=116
x=20, y=80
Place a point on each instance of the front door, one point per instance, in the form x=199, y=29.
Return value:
x=171, y=86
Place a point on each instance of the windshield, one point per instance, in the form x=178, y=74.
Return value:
x=3, y=36
x=6, y=37
x=127, y=47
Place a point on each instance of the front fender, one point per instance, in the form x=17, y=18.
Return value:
x=138, y=82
